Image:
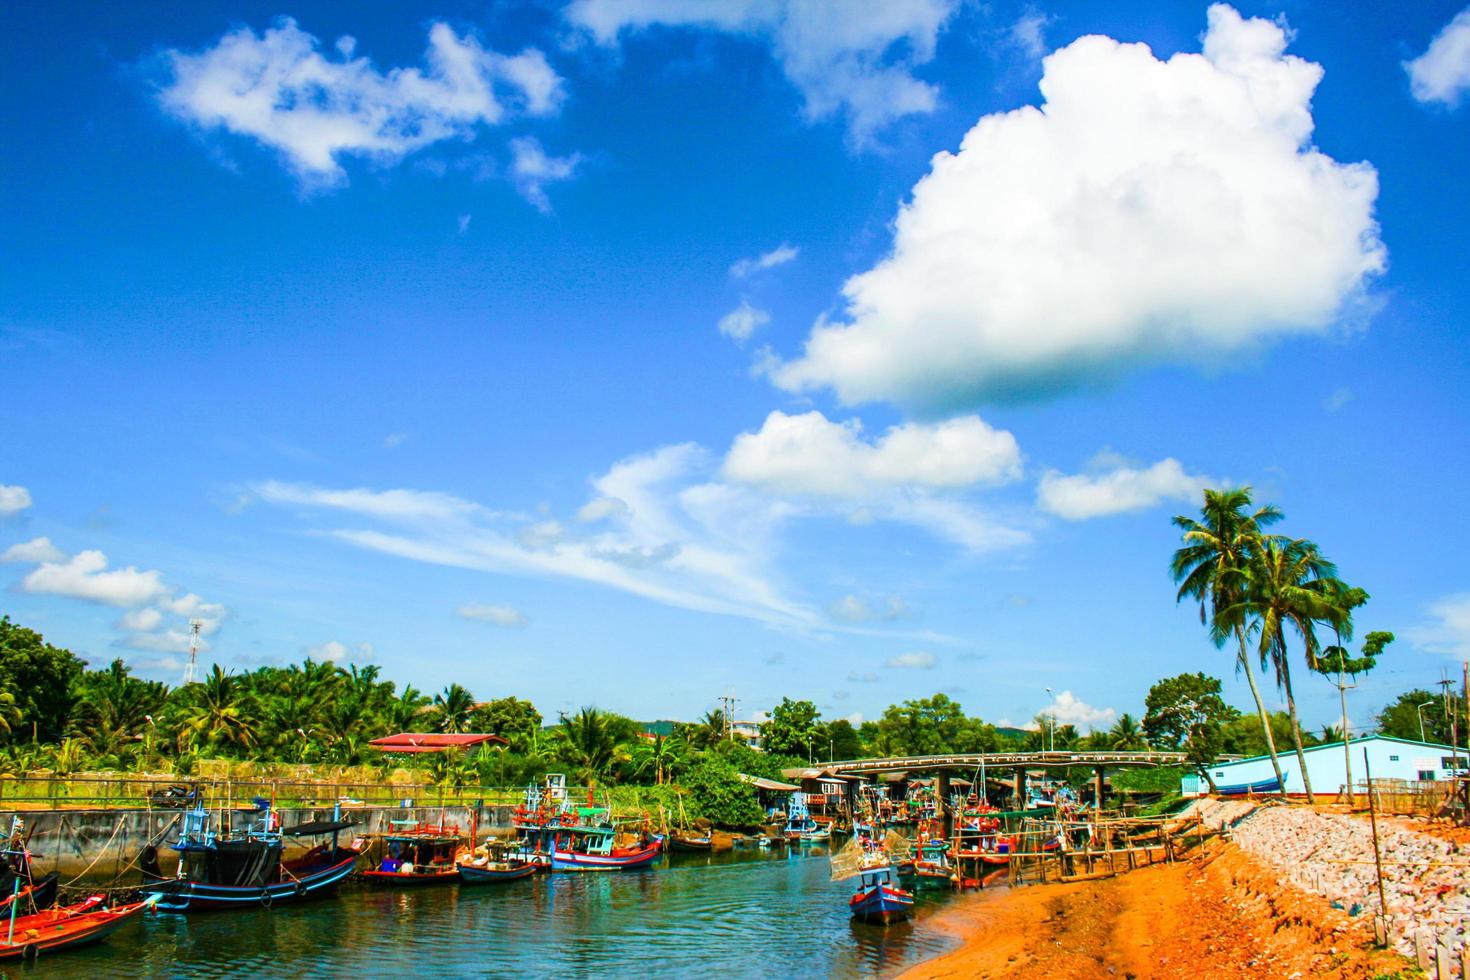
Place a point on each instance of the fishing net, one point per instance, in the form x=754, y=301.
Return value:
x=848, y=862
x=863, y=855
x=899, y=848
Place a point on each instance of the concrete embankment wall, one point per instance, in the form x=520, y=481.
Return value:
x=104, y=845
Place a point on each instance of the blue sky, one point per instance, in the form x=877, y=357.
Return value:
x=635, y=352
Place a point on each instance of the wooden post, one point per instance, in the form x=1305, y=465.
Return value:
x=1377, y=858
x=941, y=789
x=1021, y=788
x=1097, y=794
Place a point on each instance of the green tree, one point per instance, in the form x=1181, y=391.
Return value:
x=215, y=713
x=1400, y=718
x=708, y=731
x=113, y=709
x=512, y=719
x=454, y=708
x=593, y=742
x=660, y=757
x=1211, y=568
x=843, y=741
x=717, y=793
x=1187, y=713
x=1285, y=592
x=924, y=726
x=1126, y=735
x=792, y=728
x=40, y=677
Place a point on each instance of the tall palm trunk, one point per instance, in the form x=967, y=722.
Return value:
x=1296, y=728
x=1250, y=677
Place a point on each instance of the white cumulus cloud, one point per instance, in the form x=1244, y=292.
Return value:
x=140, y=620
x=743, y=321
x=1068, y=709
x=335, y=651
x=1147, y=211
x=855, y=609
x=85, y=576
x=600, y=509
x=915, y=660
x=277, y=88
x=779, y=255
x=857, y=59
x=1118, y=489
x=532, y=169
x=810, y=454
x=499, y=615
x=33, y=551
x=1442, y=73
x=13, y=499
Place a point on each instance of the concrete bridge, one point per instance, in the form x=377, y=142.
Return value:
x=972, y=763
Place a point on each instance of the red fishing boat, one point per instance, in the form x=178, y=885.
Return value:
x=65, y=927
x=422, y=854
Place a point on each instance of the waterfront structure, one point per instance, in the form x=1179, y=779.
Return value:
x=421, y=742
x=1390, y=758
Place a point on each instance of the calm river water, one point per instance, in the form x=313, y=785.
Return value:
x=746, y=913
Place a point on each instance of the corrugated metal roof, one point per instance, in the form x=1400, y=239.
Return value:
x=432, y=741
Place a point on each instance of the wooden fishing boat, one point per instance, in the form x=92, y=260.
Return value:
x=420, y=854
x=1261, y=786
x=800, y=826
x=493, y=872
x=878, y=899
x=595, y=848
x=689, y=842
x=34, y=895
x=66, y=927
x=242, y=867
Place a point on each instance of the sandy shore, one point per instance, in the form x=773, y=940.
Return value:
x=1221, y=916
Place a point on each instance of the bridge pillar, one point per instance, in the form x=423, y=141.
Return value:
x=946, y=813
x=1097, y=793
x=1020, y=798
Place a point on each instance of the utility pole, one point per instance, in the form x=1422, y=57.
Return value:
x=191, y=669
x=1451, y=711
x=1347, y=752
x=727, y=710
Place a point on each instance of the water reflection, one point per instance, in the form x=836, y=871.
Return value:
x=750, y=912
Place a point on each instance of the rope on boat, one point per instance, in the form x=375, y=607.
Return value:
x=104, y=850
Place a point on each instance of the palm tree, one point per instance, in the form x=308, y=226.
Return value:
x=590, y=742
x=1289, y=582
x=662, y=754
x=1126, y=735
x=709, y=730
x=453, y=708
x=403, y=711
x=1212, y=569
x=9, y=712
x=217, y=713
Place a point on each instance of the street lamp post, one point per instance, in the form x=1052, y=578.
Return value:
x=1420, y=712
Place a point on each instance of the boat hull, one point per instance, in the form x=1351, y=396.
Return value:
x=572, y=861
x=411, y=879
x=881, y=904
x=194, y=896
x=471, y=875
x=55, y=930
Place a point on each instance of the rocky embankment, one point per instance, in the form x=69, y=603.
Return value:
x=1426, y=878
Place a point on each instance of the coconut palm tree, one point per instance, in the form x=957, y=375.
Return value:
x=1212, y=569
x=9, y=712
x=1289, y=581
x=216, y=713
x=709, y=730
x=1126, y=735
x=661, y=754
x=402, y=713
x=453, y=708
x=590, y=742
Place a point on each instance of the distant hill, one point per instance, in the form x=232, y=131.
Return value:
x=1013, y=734
x=658, y=727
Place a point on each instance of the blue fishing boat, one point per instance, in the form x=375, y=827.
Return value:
x=800, y=825
x=878, y=899
x=1272, y=785
x=242, y=866
x=494, y=872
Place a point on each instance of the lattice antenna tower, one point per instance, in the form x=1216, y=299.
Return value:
x=191, y=669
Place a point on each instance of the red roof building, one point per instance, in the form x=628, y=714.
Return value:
x=432, y=741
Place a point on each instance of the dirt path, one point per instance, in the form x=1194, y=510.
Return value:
x=1226, y=917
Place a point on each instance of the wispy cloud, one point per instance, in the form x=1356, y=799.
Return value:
x=500, y=615
x=779, y=255
x=532, y=169
x=914, y=660
x=13, y=499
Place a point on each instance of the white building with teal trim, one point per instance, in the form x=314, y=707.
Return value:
x=1389, y=758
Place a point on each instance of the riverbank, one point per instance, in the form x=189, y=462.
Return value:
x=1224, y=915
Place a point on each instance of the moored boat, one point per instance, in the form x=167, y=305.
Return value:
x=66, y=927
x=241, y=867
x=493, y=872
x=801, y=827
x=419, y=854
x=878, y=899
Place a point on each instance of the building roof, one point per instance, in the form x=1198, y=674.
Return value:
x=432, y=741
x=760, y=782
x=1288, y=751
